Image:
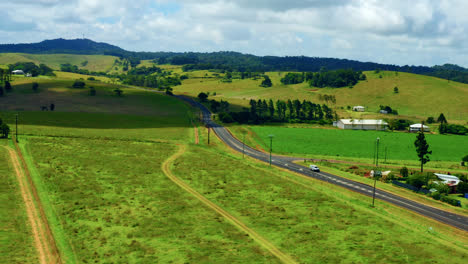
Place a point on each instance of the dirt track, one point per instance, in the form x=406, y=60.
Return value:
x=233, y=220
x=47, y=253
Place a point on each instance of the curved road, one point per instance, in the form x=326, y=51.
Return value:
x=458, y=221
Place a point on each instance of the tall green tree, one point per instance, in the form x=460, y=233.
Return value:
x=271, y=108
x=266, y=81
x=202, y=96
x=441, y=118
x=4, y=130
x=7, y=86
x=422, y=149
x=35, y=86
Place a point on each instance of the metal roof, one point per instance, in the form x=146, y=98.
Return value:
x=363, y=122
x=418, y=126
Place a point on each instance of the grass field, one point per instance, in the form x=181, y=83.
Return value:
x=122, y=209
x=419, y=96
x=94, y=62
x=96, y=162
x=337, y=143
x=16, y=242
x=311, y=222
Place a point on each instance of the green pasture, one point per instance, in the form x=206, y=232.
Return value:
x=419, y=96
x=16, y=241
x=312, y=222
x=115, y=205
x=94, y=62
x=338, y=144
x=68, y=99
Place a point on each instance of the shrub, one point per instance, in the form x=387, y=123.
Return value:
x=79, y=84
x=92, y=91
x=417, y=180
x=404, y=172
x=450, y=200
x=225, y=118
x=436, y=195
x=35, y=86
x=91, y=79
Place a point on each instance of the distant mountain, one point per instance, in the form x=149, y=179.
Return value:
x=228, y=60
x=72, y=46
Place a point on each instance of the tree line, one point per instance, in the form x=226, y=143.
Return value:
x=32, y=68
x=335, y=79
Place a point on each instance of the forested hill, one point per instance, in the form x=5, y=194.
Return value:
x=75, y=46
x=230, y=61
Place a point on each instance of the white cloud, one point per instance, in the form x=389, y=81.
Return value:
x=398, y=32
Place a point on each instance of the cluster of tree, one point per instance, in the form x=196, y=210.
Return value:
x=336, y=79
x=266, y=81
x=295, y=111
x=327, y=98
x=160, y=81
x=67, y=67
x=293, y=78
x=32, y=68
x=5, y=85
x=388, y=109
x=145, y=70
x=4, y=129
x=78, y=84
x=399, y=124
x=445, y=128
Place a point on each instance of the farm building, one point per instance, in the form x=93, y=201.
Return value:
x=359, y=108
x=450, y=180
x=18, y=72
x=365, y=124
x=417, y=128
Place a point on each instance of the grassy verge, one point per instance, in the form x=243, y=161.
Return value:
x=313, y=221
x=16, y=242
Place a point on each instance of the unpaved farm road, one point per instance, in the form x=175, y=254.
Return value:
x=41, y=236
x=233, y=220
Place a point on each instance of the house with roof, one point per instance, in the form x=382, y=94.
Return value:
x=359, y=108
x=18, y=72
x=417, y=128
x=449, y=180
x=363, y=124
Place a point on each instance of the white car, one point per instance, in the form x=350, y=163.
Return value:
x=314, y=168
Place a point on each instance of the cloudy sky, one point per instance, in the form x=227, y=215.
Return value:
x=414, y=32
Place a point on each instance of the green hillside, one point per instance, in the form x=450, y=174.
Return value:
x=88, y=62
x=419, y=96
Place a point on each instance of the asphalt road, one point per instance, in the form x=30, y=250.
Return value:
x=458, y=221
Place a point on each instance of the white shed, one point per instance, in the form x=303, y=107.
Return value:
x=365, y=124
x=417, y=128
x=359, y=108
x=18, y=72
x=449, y=180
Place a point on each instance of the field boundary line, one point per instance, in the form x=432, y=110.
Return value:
x=48, y=240
x=233, y=220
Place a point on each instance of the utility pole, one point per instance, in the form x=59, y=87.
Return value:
x=375, y=172
x=271, y=146
x=207, y=126
x=385, y=154
x=16, y=128
x=243, y=146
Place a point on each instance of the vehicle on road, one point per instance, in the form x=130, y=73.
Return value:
x=314, y=168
